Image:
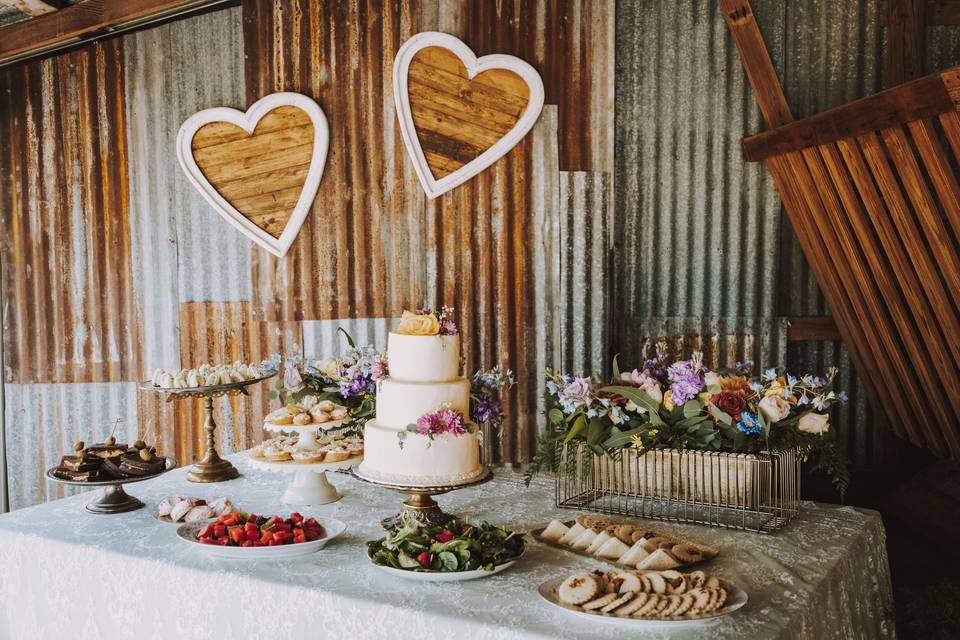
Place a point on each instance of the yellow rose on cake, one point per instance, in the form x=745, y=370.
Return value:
x=412, y=324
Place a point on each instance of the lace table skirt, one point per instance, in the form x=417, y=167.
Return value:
x=65, y=573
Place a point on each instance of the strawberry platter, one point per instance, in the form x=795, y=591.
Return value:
x=248, y=536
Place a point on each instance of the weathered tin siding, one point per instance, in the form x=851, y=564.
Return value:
x=186, y=251
x=69, y=313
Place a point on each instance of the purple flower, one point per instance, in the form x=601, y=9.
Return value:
x=488, y=411
x=654, y=366
x=352, y=384
x=448, y=327
x=686, y=380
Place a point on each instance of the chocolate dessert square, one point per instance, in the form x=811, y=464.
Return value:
x=80, y=463
x=78, y=476
x=138, y=467
x=107, y=450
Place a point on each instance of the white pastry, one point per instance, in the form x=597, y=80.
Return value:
x=584, y=540
x=573, y=533
x=180, y=509
x=198, y=513
x=634, y=555
x=554, y=531
x=598, y=542
x=155, y=378
x=658, y=560
x=165, y=506
x=611, y=549
x=220, y=506
x=166, y=381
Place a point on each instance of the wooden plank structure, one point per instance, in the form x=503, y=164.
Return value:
x=872, y=192
x=457, y=118
x=260, y=174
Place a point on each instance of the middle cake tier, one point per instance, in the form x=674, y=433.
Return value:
x=400, y=403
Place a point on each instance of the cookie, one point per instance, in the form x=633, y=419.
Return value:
x=578, y=589
x=624, y=598
x=602, y=601
x=686, y=553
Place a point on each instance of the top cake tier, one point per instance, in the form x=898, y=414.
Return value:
x=423, y=358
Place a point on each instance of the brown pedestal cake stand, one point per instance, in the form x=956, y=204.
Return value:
x=211, y=468
x=113, y=499
x=420, y=505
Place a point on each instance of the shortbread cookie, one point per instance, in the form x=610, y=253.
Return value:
x=624, y=598
x=635, y=604
x=686, y=553
x=629, y=582
x=673, y=603
x=686, y=601
x=578, y=589
x=657, y=583
x=653, y=601
x=602, y=601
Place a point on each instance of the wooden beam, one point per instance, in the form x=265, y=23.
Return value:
x=756, y=60
x=906, y=40
x=939, y=13
x=923, y=98
x=34, y=7
x=812, y=328
x=86, y=20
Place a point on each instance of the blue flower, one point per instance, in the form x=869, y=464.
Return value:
x=769, y=374
x=749, y=423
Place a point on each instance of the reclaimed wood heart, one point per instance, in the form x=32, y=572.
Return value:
x=260, y=170
x=458, y=113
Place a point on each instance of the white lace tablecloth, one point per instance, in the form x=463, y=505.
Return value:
x=65, y=573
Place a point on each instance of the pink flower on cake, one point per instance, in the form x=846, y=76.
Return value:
x=440, y=422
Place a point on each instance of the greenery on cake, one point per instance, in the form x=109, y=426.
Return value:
x=452, y=546
x=683, y=405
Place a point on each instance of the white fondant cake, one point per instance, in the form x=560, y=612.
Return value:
x=424, y=377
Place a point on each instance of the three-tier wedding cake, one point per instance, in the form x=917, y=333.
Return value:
x=421, y=434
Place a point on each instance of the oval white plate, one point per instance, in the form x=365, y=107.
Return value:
x=332, y=528
x=736, y=598
x=446, y=576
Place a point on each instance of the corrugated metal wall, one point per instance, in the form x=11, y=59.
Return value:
x=558, y=256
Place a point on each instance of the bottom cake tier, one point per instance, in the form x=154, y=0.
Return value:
x=445, y=460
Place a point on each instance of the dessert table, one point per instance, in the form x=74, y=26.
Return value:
x=66, y=573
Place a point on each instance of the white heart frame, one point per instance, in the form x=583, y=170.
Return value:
x=248, y=121
x=474, y=66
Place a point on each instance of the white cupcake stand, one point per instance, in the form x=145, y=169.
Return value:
x=310, y=486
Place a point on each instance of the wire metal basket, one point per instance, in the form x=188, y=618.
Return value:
x=755, y=492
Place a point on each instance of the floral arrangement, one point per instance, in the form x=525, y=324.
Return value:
x=349, y=380
x=684, y=405
x=425, y=322
x=444, y=420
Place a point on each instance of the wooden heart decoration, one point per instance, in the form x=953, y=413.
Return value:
x=260, y=170
x=458, y=113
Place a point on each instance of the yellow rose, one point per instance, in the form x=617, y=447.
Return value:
x=668, y=401
x=815, y=423
x=412, y=324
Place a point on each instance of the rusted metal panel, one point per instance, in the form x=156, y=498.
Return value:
x=44, y=420
x=374, y=245
x=585, y=278
x=186, y=251
x=70, y=314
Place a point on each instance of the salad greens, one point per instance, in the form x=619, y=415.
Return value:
x=454, y=546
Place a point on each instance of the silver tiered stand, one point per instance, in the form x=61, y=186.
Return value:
x=211, y=468
x=420, y=505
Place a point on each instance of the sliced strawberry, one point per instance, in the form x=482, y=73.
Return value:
x=424, y=559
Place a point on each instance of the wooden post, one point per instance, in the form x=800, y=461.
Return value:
x=906, y=40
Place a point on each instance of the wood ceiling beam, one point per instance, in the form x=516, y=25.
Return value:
x=90, y=19
x=34, y=7
x=939, y=13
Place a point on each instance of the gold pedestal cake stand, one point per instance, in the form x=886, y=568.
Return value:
x=211, y=468
x=420, y=505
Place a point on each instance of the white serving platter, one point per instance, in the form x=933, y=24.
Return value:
x=332, y=528
x=445, y=576
x=736, y=598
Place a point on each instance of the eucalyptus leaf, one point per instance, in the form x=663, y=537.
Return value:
x=692, y=408
x=555, y=415
x=720, y=415
x=595, y=431
x=616, y=367
x=578, y=424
